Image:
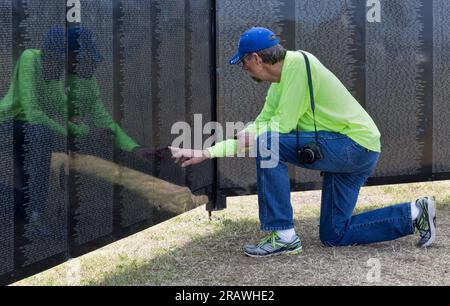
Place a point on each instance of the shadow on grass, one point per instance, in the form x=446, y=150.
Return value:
x=217, y=259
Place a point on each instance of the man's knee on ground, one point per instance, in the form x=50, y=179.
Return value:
x=331, y=238
x=329, y=243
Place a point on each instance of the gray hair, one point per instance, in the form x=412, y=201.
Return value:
x=273, y=55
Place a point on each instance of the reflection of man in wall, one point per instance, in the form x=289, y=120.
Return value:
x=42, y=105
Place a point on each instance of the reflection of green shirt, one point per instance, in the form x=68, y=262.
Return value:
x=288, y=107
x=35, y=100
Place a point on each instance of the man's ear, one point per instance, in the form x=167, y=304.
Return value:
x=257, y=58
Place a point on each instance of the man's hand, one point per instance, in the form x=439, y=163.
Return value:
x=245, y=140
x=146, y=153
x=187, y=157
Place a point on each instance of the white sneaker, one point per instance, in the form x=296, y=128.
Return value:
x=426, y=221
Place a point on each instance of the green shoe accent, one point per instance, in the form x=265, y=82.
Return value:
x=272, y=245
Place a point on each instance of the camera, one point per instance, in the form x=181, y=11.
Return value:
x=310, y=153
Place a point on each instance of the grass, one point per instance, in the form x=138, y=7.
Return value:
x=192, y=250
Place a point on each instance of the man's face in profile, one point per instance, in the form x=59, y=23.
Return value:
x=249, y=64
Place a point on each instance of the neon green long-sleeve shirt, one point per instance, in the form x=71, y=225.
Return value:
x=288, y=108
x=33, y=99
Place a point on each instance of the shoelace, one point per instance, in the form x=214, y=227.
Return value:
x=422, y=228
x=270, y=238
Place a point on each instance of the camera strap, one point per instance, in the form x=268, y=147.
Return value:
x=311, y=94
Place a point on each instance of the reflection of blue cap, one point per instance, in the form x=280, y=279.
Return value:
x=82, y=40
x=254, y=40
x=54, y=43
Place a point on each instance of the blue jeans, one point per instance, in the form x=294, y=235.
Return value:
x=346, y=167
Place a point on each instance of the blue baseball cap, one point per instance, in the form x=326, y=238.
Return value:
x=254, y=40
